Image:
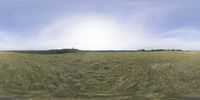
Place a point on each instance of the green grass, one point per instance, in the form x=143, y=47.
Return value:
x=100, y=75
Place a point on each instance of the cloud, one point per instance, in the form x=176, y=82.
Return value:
x=134, y=24
x=62, y=34
x=85, y=32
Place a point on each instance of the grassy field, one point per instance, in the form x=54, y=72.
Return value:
x=100, y=76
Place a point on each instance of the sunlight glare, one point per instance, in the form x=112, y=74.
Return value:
x=95, y=33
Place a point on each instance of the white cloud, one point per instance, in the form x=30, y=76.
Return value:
x=85, y=32
x=135, y=28
x=74, y=32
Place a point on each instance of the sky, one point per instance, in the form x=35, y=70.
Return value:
x=99, y=24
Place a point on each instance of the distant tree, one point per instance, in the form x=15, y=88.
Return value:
x=179, y=50
x=143, y=50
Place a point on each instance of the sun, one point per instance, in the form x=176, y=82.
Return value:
x=94, y=33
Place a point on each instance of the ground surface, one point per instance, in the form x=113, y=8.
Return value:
x=100, y=76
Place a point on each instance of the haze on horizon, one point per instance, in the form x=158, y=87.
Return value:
x=99, y=24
